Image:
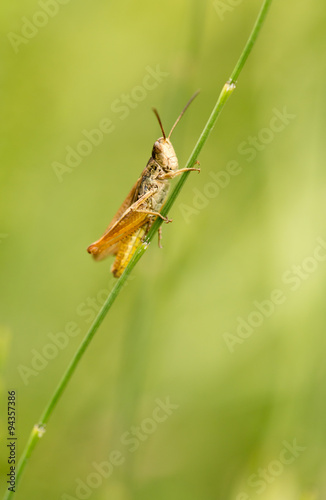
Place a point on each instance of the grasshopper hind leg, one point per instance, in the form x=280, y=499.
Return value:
x=127, y=248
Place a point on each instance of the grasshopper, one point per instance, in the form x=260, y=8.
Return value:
x=142, y=206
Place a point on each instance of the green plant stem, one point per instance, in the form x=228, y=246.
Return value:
x=39, y=429
x=227, y=90
x=251, y=41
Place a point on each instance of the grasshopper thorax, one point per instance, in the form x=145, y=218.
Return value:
x=163, y=153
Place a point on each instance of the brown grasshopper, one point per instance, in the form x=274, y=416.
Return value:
x=142, y=206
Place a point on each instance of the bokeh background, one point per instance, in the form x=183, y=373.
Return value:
x=250, y=416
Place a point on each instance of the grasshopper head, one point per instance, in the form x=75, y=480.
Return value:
x=163, y=153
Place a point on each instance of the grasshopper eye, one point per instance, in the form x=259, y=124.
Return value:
x=157, y=149
x=159, y=155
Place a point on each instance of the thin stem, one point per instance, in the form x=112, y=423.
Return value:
x=39, y=429
x=227, y=90
x=251, y=40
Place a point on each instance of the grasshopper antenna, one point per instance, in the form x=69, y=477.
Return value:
x=183, y=112
x=159, y=120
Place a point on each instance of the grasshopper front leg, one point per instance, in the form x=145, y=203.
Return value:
x=174, y=173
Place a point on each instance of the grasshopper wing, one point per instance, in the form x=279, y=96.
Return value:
x=131, y=198
x=124, y=222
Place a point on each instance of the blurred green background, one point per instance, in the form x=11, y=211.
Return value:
x=250, y=416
